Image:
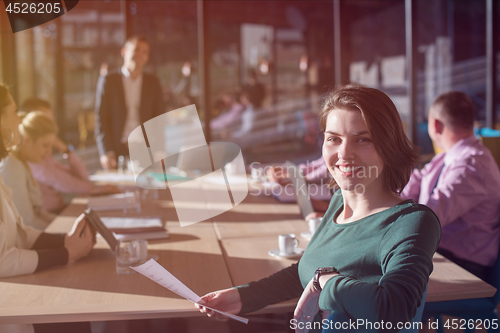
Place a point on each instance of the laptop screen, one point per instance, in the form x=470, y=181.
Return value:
x=300, y=188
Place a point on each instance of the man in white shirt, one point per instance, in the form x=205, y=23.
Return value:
x=125, y=99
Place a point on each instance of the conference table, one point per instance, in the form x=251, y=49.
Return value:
x=227, y=250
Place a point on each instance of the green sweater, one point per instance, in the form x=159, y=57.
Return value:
x=384, y=261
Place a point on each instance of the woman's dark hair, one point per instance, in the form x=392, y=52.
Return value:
x=5, y=100
x=386, y=129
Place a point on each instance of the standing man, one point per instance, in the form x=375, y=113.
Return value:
x=126, y=98
x=461, y=185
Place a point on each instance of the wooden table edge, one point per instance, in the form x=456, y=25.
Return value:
x=98, y=316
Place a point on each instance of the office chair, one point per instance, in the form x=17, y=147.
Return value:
x=470, y=309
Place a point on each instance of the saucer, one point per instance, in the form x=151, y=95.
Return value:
x=296, y=252
x=306, y=235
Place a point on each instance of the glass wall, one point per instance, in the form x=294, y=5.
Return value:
x=277, y=59
x=92, y=36
x=60, y=61
x=171, y=28
x=269, y=62
x=376, y=55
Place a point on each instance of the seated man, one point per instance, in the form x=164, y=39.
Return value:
x=460, y=185
x=231, y=116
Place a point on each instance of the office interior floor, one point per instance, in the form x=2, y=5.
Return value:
x=278, y=323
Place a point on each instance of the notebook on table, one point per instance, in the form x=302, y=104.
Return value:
x=97, y=224
x=125, y=228
x=114, y=229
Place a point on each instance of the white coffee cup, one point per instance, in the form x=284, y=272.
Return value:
x=314, y=224
x=287, y=243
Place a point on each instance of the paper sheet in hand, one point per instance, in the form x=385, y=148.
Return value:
x=154, y=271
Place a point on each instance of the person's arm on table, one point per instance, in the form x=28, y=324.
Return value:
x=51, y=251
x=73, y=179
x=61, y=249
x=47, y=250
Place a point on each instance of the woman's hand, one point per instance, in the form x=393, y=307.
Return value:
x=227, y=300
x=307, y=307
x=80, y=240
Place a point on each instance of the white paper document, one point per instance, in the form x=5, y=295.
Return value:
x=131, y=222
x=120, y=201
x=112, y=177
x=154, y=271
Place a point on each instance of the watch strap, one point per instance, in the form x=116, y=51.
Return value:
x=318, y=273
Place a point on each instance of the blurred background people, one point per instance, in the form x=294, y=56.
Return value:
x=315, y=171
x=23, y=249
x=247, y=116
x=230, y=114
x=255, y=90
x=38, y=133
x=55, y=178
x=460, y=185
x=125, y=99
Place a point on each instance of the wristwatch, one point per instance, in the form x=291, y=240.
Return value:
x=318, y=273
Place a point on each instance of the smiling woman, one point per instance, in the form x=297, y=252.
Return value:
x=38, y=133
x=371, y=256
x=378, y=119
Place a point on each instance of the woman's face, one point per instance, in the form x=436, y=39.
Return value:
x=10, y=124
x=349, y=152
x=34, y=151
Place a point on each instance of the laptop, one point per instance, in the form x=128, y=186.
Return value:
x=300, y=188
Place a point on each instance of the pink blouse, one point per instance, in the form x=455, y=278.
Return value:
x=55, y=177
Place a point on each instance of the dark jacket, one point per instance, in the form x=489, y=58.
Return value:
x=111, y=112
